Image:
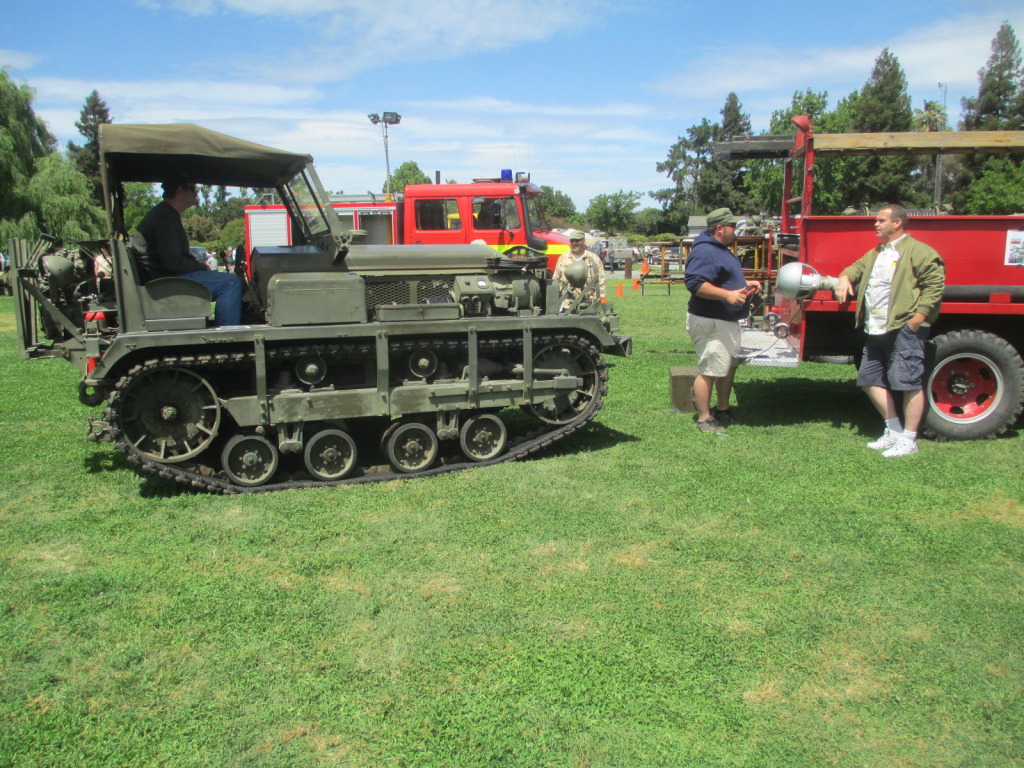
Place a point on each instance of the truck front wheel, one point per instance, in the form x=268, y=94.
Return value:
x=975, y=386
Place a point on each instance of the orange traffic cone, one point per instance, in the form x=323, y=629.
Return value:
x=618, y=289
x=636, y=283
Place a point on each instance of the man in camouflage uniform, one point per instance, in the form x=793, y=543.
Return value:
x=578, y=252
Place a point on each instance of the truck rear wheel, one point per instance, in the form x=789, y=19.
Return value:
x=975, y=386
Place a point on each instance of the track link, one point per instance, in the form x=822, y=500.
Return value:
x=212, y=479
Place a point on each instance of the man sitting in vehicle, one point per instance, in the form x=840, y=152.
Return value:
x=167, y=250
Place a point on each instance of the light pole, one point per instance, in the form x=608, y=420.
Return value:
x=388, y=118
x=938, y=158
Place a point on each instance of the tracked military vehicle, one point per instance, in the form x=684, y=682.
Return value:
x=354, y=362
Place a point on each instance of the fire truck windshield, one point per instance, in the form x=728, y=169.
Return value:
x=537, y=216
x=496, y=213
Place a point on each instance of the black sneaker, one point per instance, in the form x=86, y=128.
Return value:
x=723, y=416
x=711, y=426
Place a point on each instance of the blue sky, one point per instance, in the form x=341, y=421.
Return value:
x=587, y=95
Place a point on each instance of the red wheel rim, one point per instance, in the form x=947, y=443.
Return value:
x=966, y=388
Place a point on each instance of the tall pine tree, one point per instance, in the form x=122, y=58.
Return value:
x=735, y=195
x=997, y=105
x=882, y=106
x=87, y=157
x=700, y=183
x=986, y=184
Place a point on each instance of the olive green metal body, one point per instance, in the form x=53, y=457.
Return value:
x=354, y=362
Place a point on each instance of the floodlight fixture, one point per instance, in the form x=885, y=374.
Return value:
x=388, y=118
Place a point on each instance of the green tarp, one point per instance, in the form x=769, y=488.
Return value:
x=151, y=152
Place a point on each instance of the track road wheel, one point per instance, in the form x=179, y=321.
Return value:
x=975, y=386
x=567, y=357
x=483, y=437
x=410, y=446
x=169, y=414
x=330, y=454
x=249, y=460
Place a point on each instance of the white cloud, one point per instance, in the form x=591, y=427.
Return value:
x=346, y=37
x=949, y=51
x=273, y=8
x=567, y=108
x=196, y=7
x=18, y=59
x=187, y=92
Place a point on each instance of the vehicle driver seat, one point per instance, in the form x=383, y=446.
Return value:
x=168, y=303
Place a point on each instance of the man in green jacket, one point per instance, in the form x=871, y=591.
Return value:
x=899, y=291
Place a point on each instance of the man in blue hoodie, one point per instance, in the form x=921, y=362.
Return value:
x=718, y=301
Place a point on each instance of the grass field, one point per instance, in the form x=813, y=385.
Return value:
x=643, y=595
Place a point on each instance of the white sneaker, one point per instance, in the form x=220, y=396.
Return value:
x=887, y=440
x=903, y=447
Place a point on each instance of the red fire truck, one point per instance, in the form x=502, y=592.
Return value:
x=975, y=382
x=501, y=213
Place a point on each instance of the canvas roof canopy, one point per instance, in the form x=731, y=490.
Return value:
x=151, y=152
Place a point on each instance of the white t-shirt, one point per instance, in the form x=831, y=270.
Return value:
x=876, y=296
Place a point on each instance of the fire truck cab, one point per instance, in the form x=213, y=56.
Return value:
x=499, y=213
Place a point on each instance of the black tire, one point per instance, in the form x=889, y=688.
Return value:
x=975, y=386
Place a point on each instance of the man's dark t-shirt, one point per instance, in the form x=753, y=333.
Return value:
x=167, y=244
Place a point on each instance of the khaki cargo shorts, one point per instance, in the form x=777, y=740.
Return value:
x=717, y=343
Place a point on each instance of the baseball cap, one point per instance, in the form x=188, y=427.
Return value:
x=174, y=180
x=722, y=216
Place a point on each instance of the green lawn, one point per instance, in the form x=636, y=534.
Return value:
x=642, y=595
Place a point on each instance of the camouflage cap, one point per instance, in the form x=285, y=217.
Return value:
x=721, y=216
x=575, y=234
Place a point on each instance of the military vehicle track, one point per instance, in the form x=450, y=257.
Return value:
x=190, y=377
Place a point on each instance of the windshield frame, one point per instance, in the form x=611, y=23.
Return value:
x=303, y=196
x=537, y=215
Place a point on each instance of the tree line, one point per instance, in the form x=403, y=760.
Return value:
x=45, y=189
x=961, y=183
x=974, y=184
